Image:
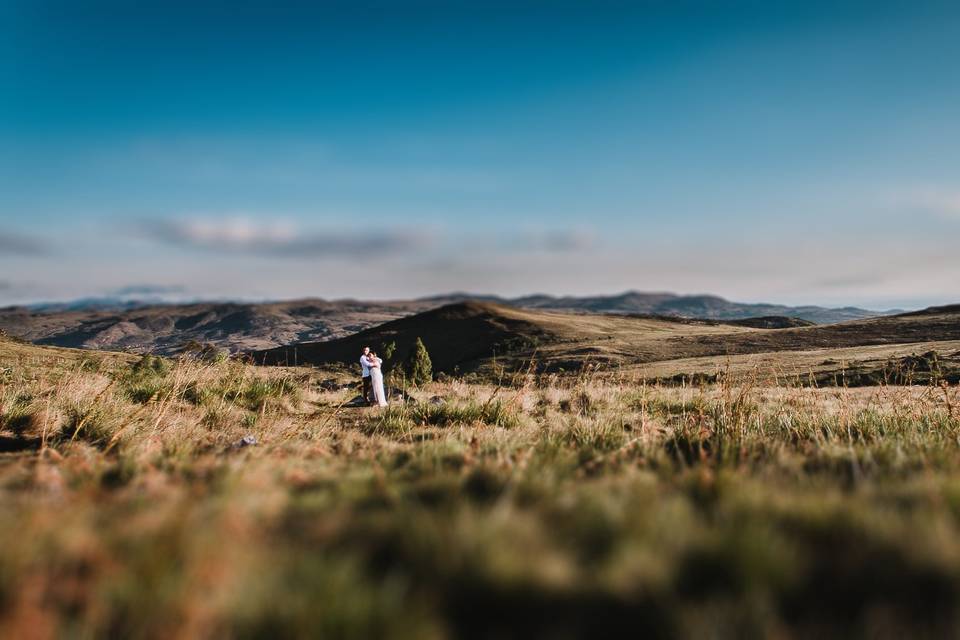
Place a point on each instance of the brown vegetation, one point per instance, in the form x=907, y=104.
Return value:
x=136, y=505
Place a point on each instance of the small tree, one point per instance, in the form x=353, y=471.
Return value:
x=389, y=349
x=389, y=374
x=418, y=366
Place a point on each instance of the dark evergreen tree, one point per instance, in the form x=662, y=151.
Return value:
x=418, y=367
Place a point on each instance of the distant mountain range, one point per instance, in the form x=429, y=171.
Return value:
x=117, y=323
x=706, y=307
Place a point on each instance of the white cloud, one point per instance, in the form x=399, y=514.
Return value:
x=279, y=239
x=935, y=201
x=20, y=245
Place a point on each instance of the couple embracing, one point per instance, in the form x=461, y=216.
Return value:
x=373, y=391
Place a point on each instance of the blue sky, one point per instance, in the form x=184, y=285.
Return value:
x=797, y=152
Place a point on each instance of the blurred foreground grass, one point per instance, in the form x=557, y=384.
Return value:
x=556, y=507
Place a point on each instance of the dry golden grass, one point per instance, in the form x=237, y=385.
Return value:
x=545, y=506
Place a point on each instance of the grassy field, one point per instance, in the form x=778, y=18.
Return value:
x=545, y=506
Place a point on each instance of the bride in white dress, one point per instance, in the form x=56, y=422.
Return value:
x=376, y=379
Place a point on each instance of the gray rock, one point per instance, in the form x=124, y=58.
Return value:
x=245, y=441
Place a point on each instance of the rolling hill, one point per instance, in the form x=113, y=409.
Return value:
x=166, y=328
x=471, y=336
x=460, y=336
x=707, y=307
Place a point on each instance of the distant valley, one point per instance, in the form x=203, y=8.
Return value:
x=166, y=328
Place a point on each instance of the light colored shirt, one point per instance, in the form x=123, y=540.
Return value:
x=365, y=366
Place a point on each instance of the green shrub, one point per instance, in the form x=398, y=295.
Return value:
x=255, y=394
x=94, y=425
x=150, y=365
x=146, y=379
x=395, y=419
x=197, y=394
x=418, y=367
x=443, y=415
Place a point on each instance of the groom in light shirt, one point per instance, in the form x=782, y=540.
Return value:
x=365, y=374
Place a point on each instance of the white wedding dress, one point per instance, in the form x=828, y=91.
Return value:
x=376, y=380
